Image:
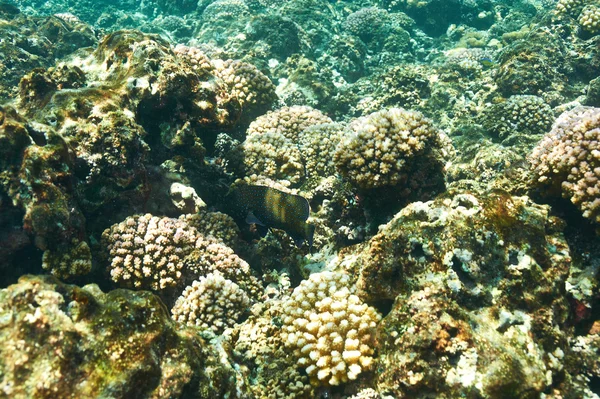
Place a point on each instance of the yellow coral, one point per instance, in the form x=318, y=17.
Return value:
x=589, y=19
x=329, y=328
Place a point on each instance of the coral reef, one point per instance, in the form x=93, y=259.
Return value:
x=211, y=303
x=329, y=328
x=259, y=347
x=536, y=64
x=520, y=114
x=384, y=148
x=214, y=224
x=462, y=261
x=587, y=14
x=406, y=131
x=566, y=161
x=36, y=42
x=130, y=346
x=35, y=170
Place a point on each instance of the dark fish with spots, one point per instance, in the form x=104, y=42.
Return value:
x=272, y=208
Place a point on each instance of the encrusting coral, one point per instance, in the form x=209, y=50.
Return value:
x=63, y=341
x=567, y=160
x=476, y=284
x=329, y=328
x=257, y=343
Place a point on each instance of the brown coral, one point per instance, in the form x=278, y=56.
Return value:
x=378, y=149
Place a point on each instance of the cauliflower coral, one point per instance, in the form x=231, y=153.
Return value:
x=567, y=160
x=329, y=328
x=380, y=149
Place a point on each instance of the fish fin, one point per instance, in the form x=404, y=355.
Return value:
x=251, y=219
x=310, y=233
x=262, y=230
x=298, y=241
x=305, y=209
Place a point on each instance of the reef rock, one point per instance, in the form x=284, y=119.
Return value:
x=64, y=341
x=475, y=282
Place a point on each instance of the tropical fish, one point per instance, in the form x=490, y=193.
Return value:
x=272, y=208
x=487, y=62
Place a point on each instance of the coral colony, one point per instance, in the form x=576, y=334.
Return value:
x=306, y=199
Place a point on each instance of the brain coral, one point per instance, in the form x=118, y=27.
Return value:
x=379, y=148
x=212, y=302
x=567, y=160
x=329, y=328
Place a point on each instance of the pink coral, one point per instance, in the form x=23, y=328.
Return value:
x=567, y=160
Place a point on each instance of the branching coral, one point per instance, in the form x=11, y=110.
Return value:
x=317, y=145
x=589, y=19
x=215, y=224
x=75, y=261
x=148, y=252
x=329, y=328
x=273, y=155
x=289, y=121
x=252, y=88
x=212, y=302
x=379, y=148
x=567, y=160
x=520, y=114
